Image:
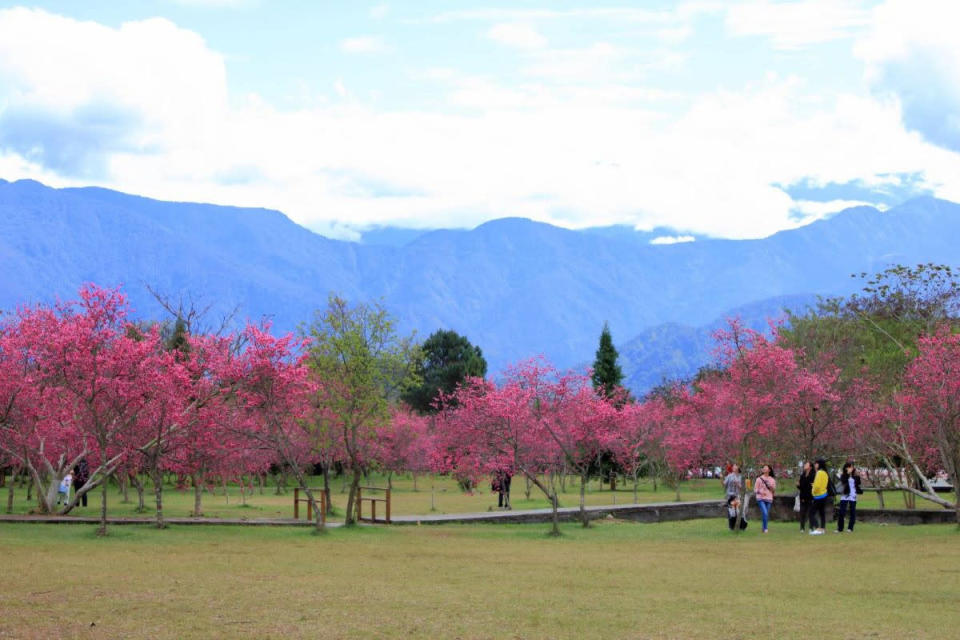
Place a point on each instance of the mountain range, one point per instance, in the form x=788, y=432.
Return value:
x=515, y=287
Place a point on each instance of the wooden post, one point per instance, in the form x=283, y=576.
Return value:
x=309, y=508
x=388, y=506
x=296, y=504
x=373, y=511
x=323, y=507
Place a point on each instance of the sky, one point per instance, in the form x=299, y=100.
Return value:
x=727, y=118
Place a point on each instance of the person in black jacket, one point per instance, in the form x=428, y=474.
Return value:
x=80, y=476
x=850, y=489
x=805, y=489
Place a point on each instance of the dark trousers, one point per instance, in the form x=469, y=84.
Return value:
x=843, y=510
x=819, y=509
x=805, y=513
x=503, y=495
x=732, y=523
x=83, y=499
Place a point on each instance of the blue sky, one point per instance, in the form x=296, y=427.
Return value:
x=725, y=118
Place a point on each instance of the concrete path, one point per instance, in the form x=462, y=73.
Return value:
x=652, y=512
x=263, y=522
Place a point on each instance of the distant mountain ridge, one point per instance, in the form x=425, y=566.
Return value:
x=515, y=287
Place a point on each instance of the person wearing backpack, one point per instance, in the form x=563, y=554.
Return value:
x=850, y=488
x=823, y=490
x=805, y=493
x=764, y=489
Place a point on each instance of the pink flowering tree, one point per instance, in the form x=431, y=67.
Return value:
x=926, y=416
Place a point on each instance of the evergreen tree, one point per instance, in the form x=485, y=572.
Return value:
x=607, y=375
x=447, y=359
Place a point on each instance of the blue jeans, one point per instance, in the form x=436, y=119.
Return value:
x=844, y=504
x=764, y=511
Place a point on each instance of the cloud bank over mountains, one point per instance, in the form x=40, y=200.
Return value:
x=702, y=117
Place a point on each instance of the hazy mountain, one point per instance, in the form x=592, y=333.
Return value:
x=515, y=287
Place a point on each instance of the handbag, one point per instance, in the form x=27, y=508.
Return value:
x=796, y=503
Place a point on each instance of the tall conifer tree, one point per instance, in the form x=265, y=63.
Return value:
x=607, y=375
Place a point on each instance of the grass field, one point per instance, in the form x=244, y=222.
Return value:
x=446, y=498
x=615, y=580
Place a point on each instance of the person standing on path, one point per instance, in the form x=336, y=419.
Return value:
x=850, y=488
x=764, y=488
x=805, y=489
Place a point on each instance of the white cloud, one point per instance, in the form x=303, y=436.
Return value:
x=521, y=36
x=914, y=55
x=672, y=239
x=363, y=44
x=566, y=151
x=793, y=25
x=379, y=11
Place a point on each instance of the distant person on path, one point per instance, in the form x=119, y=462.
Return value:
x=733, y=505
x=501, y=484
x=733, y=482
x=850, y=488
x=805, y=489
x=63, y=491
x=764, y=489
x=80, y=476
x=821, y=493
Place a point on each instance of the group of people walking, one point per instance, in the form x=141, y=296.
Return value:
x=815, y=490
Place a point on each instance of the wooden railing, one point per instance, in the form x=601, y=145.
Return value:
x=297, y=499
x=373, y=500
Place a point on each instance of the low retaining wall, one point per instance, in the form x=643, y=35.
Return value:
x=654, y=512
x=782, y=510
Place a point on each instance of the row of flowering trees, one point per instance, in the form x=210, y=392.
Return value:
x=83, y=381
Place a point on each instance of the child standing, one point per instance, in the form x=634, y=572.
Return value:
x=63, y=491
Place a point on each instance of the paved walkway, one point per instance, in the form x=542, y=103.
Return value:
x=651, y=512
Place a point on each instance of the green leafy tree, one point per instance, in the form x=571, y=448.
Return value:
x=362, y=366
x=446, y=360
x=607, y=375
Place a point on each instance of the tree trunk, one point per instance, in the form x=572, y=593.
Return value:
x=243, y=491
x=261, y=480
x=352, y=496
x=583, y=500
x=158, y=494
x=390, y=480
x=10, y=490
x=226, y=494
x=529, y=487
x=636, y=488
x=197, y=494
x=414, y=474
x=141, y=507
x=326, y=489
x=124, y=487
x=102, y=530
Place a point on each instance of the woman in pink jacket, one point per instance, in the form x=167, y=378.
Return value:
x=764, y=488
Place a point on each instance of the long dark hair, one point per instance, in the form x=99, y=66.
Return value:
x=768, y=467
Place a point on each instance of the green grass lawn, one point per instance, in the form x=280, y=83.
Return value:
x=445, y=496
x=614, y=580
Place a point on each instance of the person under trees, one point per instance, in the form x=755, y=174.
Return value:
x=445, y=360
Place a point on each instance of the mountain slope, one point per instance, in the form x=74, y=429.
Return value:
x=516, y=288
